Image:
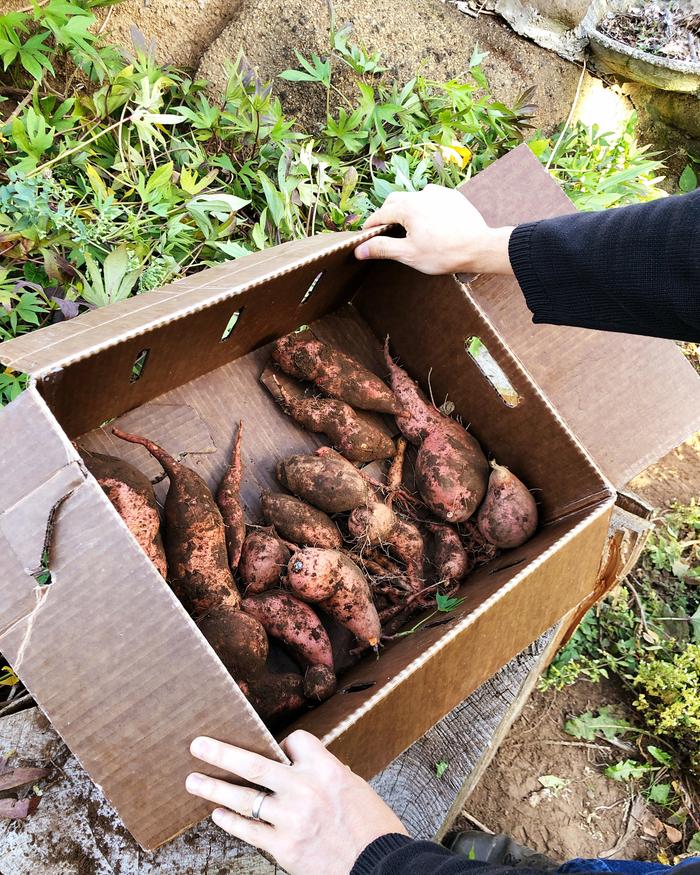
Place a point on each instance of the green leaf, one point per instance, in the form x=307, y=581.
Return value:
x=441, y=767
x=659, y=793
x=688, y=180
x=695, y=625
x=627, y=770
x=538, y=147
x=477, y=57
x=554, y=783
x=445, y=604
x=661, y=756
x=694, y=844
x=587, y=725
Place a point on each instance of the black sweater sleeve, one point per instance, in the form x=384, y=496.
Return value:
x=397, y=854
x=634, y=269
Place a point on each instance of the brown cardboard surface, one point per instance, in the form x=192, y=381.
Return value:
x=629, y=399
x=106, y=649
x=112, y=658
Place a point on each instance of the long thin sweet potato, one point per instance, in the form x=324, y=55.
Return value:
x=298, y=522
x=451, y=469
x=508, y=516
x=334, y=372
x=195, y=536
x=355, y=438
x=378, y=525
x=132, y=495
x=228, y=498
x=264, y=559
x=333, y=581
x=327, y=481
x=295, y=624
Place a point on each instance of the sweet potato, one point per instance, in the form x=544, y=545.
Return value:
x=357, y=439
x=131, y=493
x=377, y=525
x=508, y=516
x=275, y=696
x=327, y=481
x=333, y=581
x=418, y=416
x=228, y=498
x=195, y=536
x=298, y=522
x=451, y=560
x=334, y=372
x=240, y=640
x=451, y=474
x=264, y=558
x=451, y=469
x=295, y=624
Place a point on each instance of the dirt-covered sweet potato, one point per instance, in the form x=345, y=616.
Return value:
x=228, y=498
x=334, y=372
x=275, y=696
x=132, y=495
x=377, y=525
x=297, y=626
x=298, y=522
x=195, y=536
x=333, y=581
x=450, y=559
x=451, y=471
x=264, y=559
x=240, y=640
x=355, y=438
x=325, y=480
x=451, y=474
x=508, y=516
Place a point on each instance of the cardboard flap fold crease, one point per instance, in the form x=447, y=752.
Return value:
x=115, y=662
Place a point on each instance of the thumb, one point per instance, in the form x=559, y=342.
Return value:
x=382, y=247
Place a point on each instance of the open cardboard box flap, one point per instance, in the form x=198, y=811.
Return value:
x=110, y=655
x=628, y=399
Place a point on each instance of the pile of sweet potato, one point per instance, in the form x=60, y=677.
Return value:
x=338, y=550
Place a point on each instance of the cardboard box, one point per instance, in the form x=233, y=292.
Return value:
x=107, y=651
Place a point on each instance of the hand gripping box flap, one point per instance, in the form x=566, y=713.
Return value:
x=100, y=644
x=628, y=399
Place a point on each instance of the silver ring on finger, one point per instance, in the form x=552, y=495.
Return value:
x=257, y=804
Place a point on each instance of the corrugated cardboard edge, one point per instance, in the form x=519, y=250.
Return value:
x=20, y=353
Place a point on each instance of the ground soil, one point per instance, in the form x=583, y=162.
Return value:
x=592, y=816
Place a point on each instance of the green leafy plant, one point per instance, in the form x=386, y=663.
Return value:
x=600, y=169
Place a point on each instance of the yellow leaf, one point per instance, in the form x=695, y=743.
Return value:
x=96, y=182
x=7, y=677
x=455, y=153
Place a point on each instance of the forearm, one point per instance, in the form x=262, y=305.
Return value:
x=634, y=269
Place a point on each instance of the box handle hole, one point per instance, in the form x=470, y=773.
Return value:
x=312, y=288
x=358, y=686
x=138, y=366
x=231, y=324
x=494, y=373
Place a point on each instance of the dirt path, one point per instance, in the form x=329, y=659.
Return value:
x=590, y=815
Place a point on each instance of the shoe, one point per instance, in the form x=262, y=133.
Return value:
x=500, y=849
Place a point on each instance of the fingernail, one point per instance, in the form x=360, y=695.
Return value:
x=361, y=252
x=199, y=747
x=193, y=783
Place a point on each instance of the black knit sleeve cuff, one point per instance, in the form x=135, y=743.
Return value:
x=375, y=852
x=520, y=255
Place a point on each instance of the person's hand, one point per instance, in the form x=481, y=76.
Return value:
x=444, y=234
x=319, y=816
